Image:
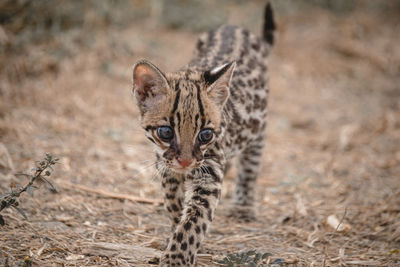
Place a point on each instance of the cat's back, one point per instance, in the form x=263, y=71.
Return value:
x=229, y=43
x=246, y=108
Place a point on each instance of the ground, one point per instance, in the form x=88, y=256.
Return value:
x=333, y=149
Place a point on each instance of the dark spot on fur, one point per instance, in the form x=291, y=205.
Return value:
x=204, y=226
x=173, y=181
x=168, y=196
x=187, y=226
x=192, y=259
x=209, y=215
x=194, y=218
x=256, y=46
x=179, y=237
x=204, y=202
x=184, y=246
x=175, y=207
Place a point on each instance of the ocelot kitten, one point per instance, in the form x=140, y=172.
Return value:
x=199, y=118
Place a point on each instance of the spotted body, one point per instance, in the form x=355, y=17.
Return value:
x=200, y=118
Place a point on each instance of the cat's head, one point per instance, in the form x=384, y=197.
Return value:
x=181, y=112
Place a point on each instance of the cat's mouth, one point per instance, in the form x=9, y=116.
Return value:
x=185, y=170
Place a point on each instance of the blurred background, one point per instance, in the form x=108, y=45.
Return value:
x=333, y=136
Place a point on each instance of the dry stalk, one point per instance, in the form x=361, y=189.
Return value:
x=336, y=229
x=113, y=195
x=10, y=199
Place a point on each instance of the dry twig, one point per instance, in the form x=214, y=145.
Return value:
x=113, y=195
x=10, y=199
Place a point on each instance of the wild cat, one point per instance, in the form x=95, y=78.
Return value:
x=199, y=118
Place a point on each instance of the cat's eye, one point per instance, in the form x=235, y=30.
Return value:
x=205, y=136
x=165, y=133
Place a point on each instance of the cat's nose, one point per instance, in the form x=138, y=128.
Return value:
x=184, y=162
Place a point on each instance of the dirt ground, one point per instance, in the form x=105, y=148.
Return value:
x=333, y=148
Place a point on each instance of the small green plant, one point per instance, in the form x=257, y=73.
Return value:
x=43, y=169
x=250, y=258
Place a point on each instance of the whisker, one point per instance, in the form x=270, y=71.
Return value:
x=136, y=148
x=159, y=171
x=156, y=175
x=144, y=161
x=142, y=170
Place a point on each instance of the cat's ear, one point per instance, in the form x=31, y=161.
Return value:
x=149, y=85
x=218, y=81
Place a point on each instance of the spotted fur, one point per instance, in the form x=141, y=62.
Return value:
x=223, y=91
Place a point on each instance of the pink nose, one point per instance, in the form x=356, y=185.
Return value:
x=184, y=162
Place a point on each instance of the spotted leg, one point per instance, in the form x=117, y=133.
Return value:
x=173, y=197
x=203, y=190
x=246, y=181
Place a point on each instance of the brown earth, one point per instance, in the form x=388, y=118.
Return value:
x=333, y=148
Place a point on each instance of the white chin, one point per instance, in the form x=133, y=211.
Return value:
x=182, y=170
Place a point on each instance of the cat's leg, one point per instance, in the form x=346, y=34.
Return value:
x=246, y=182
x=202, y=193
x=173, y=197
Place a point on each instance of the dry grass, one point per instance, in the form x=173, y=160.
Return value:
x=333, y=149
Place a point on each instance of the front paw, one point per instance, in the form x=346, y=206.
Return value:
x=173, y=259
x=166, y=261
